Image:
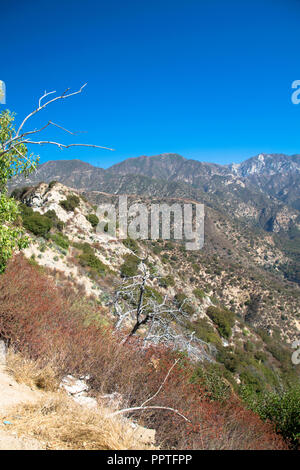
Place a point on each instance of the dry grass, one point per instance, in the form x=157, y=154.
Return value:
x=59, y=422
x=30, y=373
x=44, y=323
x=63, y=424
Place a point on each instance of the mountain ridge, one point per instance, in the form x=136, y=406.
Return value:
x=264, y=183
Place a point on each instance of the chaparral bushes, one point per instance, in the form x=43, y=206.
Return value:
x=130, y=266
x=87, y=258
x=93, y=219
x=61, y=240
x=223, y=318
x=70, y=203
x=47, y=323
x=38, y=224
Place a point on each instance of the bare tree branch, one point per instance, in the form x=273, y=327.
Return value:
x=162, y=384
x=40, y=107
x=21, y=137
x=143, y=408
x=58, y=144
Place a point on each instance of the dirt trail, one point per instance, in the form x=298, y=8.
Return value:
x=12, y=393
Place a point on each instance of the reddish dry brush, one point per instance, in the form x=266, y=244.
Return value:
x=46, y=323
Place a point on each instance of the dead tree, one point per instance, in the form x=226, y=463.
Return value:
x=146, y=308
x=136, y=303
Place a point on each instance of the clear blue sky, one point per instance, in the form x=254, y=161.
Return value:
x=210, y=80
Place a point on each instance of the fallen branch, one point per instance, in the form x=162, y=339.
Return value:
x=162, y=384
x=143, y=408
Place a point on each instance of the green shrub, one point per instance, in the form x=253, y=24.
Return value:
x=223, y=318
x=151, y=293
x=282, y=354
x=38, y=224
x=260, y=356
x=84, y=198
x=211, y=376
x=57, y=223
x=228, y=358
x=18, y=193
x=132, y=245
x=87, y=258
x=281, y=408
x=253, y=378
x=61, y=240
x=199, y=293
x=25, y=210
x=157, y=249
x=130, y=266
x=249, y=346
x=196, y=267
x=91, y=260
x=184, y=303
x=51, y=184
x=254, y=374
x=70, y=203
x=85, y=247
x=93, y=219
x=203, y=330
x=167, y=281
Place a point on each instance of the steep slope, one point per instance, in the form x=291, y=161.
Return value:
x=235, y=266
x=227, y=307
x=277, y=175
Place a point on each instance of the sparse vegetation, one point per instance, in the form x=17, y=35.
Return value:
x=55, y=329
x=93, y=220
x=70, y=203
x=38, y=224
x=61, y=240
x=223, y=318
x=130, y=266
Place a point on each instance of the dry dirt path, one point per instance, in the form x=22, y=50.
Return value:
x=12, y=393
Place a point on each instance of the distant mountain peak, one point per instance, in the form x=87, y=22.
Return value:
x=75, y=162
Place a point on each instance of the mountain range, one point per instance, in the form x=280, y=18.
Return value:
x=265, y=183
x=261, y=193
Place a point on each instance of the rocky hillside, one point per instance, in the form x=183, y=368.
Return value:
x=217, y=302
x=261, y=193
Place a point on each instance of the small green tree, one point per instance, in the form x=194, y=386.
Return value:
x=14, y=160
